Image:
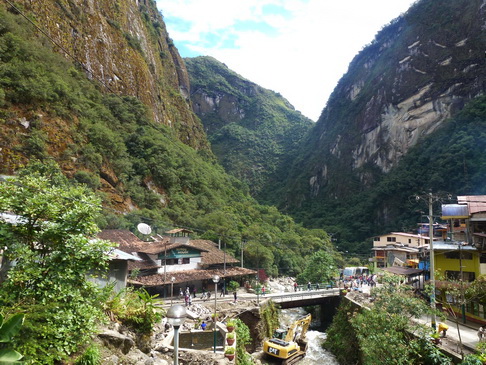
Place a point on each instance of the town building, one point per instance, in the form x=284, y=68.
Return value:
x=467, y=222
x=174, y=262
x=398, y=249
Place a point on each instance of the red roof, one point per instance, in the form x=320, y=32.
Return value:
x=130, y=243
x=189, y=275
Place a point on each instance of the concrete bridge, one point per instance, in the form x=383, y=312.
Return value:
x=304, y=298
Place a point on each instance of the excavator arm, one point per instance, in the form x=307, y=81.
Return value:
x=299, y=328
x=291, y=348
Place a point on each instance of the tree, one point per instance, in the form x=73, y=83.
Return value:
x=49, y=252
x=320, y=268
x=387, y=333
x=476, y=291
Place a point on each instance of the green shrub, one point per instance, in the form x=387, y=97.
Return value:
x=87, y=178
x=135, y=309
x=91, y=356
x=243, y=338
x=233, y=285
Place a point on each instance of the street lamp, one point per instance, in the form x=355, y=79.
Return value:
x=215, y=280
x=176, y=315
x=172, y=279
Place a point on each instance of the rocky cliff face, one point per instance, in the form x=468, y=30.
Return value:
x=252, y=130
x=125, y=46
x=419, y=71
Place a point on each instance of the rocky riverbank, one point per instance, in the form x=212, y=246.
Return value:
x=121, y=346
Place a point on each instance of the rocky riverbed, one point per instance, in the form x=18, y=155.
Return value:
x=122, y=346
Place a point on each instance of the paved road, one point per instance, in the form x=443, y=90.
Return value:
x=467, y=332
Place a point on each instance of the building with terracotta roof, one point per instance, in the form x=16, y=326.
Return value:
x=175, y=262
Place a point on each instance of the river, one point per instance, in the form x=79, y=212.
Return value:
x=315, y=353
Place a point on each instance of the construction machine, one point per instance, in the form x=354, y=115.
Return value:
x=289, y=345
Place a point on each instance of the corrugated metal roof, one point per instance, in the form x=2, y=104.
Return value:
x=453, y=246
x=459, y=211
x=120, y=255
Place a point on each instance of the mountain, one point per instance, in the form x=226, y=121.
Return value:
x=252, y=130
x=125, y=46
x=98, y=90
x=398, y=94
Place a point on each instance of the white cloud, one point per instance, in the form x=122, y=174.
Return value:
x=303, y=59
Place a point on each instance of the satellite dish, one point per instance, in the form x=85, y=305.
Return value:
x=144, y=228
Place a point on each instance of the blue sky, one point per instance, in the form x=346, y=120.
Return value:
x=299, y=48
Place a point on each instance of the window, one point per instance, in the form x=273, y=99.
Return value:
x=482, y=259
x=456, y=255
x=456, y=275
x=391, y=239
x=178, y=261
x=377, y=239
x=409, y=240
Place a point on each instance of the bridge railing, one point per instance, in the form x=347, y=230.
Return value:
x=316, y=286
x=288, y=297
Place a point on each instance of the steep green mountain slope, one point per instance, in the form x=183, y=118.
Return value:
x=398, y=92
x=51, y=110
x=252, y=130
x=125, y=46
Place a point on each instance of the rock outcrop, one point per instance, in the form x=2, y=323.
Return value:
x=419, y=71
x=126, y=48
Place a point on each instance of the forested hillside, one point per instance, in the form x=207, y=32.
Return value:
x=51, y=110
x=252, y=130
x=386, y=133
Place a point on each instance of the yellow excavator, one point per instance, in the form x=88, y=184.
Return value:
x=289, y=345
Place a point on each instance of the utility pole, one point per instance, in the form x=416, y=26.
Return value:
x=461, y=280
x=224, y=264
x=243, y=243
x=432, y=265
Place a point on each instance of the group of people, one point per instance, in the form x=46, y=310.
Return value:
x=206, y=294
x=359, y=281
x=186, y=294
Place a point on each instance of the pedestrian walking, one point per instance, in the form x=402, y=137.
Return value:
x=263, y=290
x=194, y=291
x=481, y=334
x=309, y=285
x=235, y=295
x=295, y=286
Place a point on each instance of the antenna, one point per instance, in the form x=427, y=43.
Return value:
x=144, y=228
